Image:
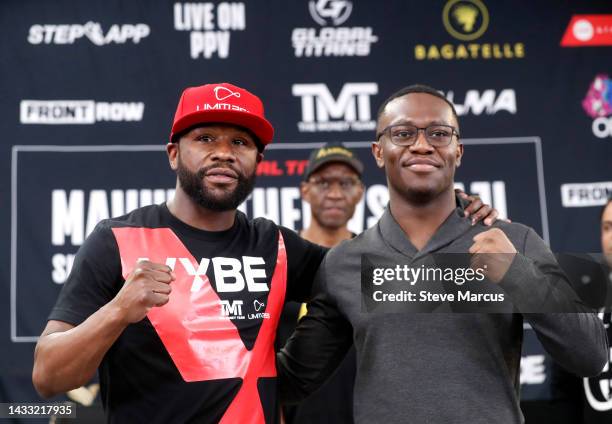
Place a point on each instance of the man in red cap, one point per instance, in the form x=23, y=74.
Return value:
x=207, y=355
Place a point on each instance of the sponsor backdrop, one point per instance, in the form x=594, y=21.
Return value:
x=89, y=92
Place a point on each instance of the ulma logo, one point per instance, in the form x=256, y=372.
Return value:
x=467, y=21
x=488, y=102
x=598, y=105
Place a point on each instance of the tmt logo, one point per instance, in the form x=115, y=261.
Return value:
x=322, y=112
x=232, y=309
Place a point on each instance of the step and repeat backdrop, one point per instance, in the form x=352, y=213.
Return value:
x=89, y=89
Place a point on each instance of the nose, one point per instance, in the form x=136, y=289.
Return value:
x=335, y=191
x=421, y=145
x=223, y=151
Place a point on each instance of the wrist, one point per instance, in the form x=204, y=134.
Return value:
x=115, y=315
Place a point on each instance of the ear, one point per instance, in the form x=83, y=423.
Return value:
x=305, y=191
x=259, y=157
x=458, y=155
x=172, y=149
x=377, y=152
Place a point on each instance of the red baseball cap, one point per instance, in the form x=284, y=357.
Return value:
x=222, y=103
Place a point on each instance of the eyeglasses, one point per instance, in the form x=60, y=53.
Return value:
x=407, y=135
x=347, y=185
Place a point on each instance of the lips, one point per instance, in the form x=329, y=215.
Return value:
x=421, y=165
x=335, y=210
x=221, y=175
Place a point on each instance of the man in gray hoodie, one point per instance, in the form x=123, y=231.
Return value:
x=441, y=367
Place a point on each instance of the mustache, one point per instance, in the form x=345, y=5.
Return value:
x=204, y=170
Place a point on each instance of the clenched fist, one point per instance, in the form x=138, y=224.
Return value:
x=148, y=285
x=494, y=252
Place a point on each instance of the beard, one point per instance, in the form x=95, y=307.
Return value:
x=193, y=185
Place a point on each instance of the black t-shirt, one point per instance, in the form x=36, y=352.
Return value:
x=141, y=376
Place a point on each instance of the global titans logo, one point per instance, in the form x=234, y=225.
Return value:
x=332, y=39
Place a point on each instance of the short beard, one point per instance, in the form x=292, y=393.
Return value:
x=193, y=185
x=416, y=196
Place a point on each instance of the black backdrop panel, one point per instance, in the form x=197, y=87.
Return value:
x=89, y=89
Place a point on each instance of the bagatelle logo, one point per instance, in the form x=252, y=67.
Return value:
x=585, y=194
x=467, y=21
x=92, y=31
x=332, y=39
x=488, y=102
x=351, y=110
x=209, y=26
x=598, y=105
x=78, y=111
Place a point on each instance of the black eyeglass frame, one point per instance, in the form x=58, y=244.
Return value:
x=386, y=131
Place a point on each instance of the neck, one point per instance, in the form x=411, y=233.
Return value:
x=328, y=237
x=186, y=210
x=421, y=220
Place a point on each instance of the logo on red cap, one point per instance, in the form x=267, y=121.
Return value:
x=222, y=103
x=228, y=93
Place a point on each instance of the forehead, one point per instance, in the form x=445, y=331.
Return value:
x=219, y=128
x=335, y=169
x=418, y=108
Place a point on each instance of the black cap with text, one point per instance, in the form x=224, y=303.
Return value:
x=334, y=152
